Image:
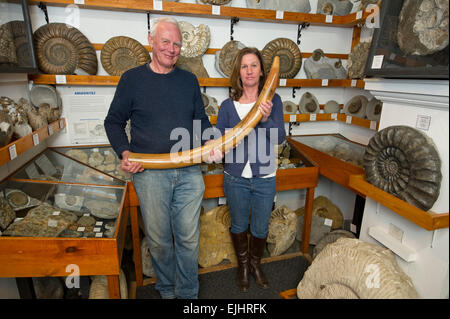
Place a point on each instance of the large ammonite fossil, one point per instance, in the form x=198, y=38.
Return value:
x=308, y=104
x=423, y=26
x=226, y=142
x=63, y=49
x=404, y=162
x=353, y=269
x=195, y=39
x=121, y=53
x=289, y=53
x=226, y=57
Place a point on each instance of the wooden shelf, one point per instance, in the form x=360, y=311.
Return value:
x=226, y=12
x=427, y=220
x=27, y=142
x=106, y=80
x=322, y=117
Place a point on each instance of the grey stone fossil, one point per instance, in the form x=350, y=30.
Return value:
x=404, y=162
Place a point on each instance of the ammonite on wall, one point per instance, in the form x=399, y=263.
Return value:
x=404, y=162
x=334, y=7
x=195, y=39
x=356, y=106
x=423, y=26
x=373, y=109
x=121, y=53
x=283, y=5
x=289, y=53
x=308, y=104
x=225, y=57
x=318, y=66
x=214, y=2
x=353, y=269
x=63, y=49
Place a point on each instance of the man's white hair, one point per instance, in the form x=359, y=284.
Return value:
x=155, y=22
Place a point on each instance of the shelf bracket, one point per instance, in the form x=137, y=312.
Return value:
x=204, y=89
x=148, y=22
x=291, y=124
x=234, y=20
x=43, y=7
x=302, y=26
x=294, y=89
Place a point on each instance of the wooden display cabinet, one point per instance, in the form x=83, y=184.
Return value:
x=305, y=177
x=25, y=251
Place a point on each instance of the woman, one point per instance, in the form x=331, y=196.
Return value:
x=249, y=179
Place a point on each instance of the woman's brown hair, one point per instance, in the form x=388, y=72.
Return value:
x=235, y=78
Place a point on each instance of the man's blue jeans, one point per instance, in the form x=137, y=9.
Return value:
x=245, y=195
x=170, y=202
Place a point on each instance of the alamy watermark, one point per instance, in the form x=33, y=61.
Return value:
x=73, y=279
x=373, y=19
x=253, y=150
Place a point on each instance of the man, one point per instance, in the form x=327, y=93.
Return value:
x=158, y=98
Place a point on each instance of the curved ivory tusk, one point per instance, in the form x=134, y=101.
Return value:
x=224, y=143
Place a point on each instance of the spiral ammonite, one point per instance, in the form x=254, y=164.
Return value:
x=121, y=53
x=289, y=53
x=195, y=39
x=404, y=162
x=62, y=49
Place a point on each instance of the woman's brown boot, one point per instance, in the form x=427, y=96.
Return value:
x=257, y=246
x=240, y=242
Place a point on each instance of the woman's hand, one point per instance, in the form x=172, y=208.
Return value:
x=128, y=166
x=215, y=155
x=266, y=109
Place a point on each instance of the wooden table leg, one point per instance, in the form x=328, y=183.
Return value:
x=113, y=286
x=307, y=218
x=136, y=246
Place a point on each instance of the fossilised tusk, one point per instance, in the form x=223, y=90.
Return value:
x=224, y=143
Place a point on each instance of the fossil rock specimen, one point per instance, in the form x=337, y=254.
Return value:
x=282, y=230
x=318, y=229
x=350, y=268
x=7, y=47
x=7, y=214
x=423, y=26
x=63, y=49
x=308, y=104
x=99, y=287
x=147, y=266
x=373, y=109
x=122, y=53
x=289, y=107
x=334, y=7
x=330, y=238
x=225, y=57
x=323, y=207
x=289, y=53
x=332, y=107
x=356, y=106
x=79, y=155
x=357, y=60
x=211, y=105
x=193, y=65
x=215, y=2
x=403, y=161
x=215, y=238
x=195, y=39
x=318, y=66
x=42, y=221
x=103, y=209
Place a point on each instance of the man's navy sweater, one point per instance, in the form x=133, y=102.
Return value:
x=156, y=104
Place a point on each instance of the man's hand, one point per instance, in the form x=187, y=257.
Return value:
x=215, y=155
x=128, y=166
x=266, y=109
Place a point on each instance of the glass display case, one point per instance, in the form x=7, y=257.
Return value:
x=58, y=211
x=16, y=38
x=411, y=41
x=336, y=146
